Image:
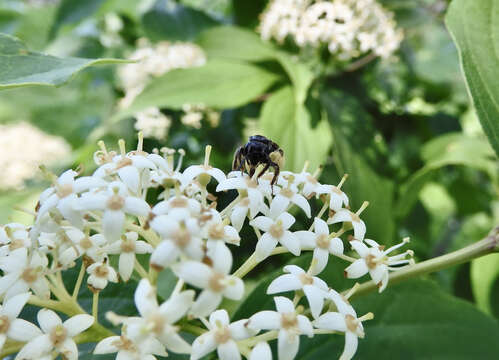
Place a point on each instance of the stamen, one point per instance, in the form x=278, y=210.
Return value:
x=343, y=179
x=362, y=208
x=368, y=316
x=394, y=247
x=140, y=142
x=102, y=146
x=181, y=157
x=121, y=144
x=352, y=291
x=207, y=152
x=316, y=173
x=305, y=166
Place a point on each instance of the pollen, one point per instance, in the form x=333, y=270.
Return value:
x=115, y=202
x=216, y=231
x=64, y=190
x=128, y=246
x=222, y=335
x=58, y=335
x=276, y=230
x=102, y=271
x=289, y=321
x=306, y=279
x=322, y=241
x=29, y=275
x=4, y=324
x=216, y=282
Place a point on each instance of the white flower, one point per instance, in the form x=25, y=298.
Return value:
x=314, y=288
x=261, y=351
x=130, y=349
x=158, y=320
x=100, y=273
x=252, y=198
x=180, y=234
x=10, y=326
x=289, y=324
x=56, y=336
x=127, y=247
x=337, y=198
x=345, y=321
x=214, y=280
x=21, y=273
x=13, y=236
x=177, y=204
x=215, y=229
x=375, y=260
x=344, y=215
x=221, y=336
x=92, y=246
x=275, y=231
x=204, y=172
x=64, y=193
x=116, y=203
x=152, y=123
x=131, y=168
x=322, y=244
x=284, y=197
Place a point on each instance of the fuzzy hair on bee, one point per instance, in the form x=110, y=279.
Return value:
x=259, y=151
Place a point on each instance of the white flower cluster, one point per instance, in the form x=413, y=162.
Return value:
x=153, y=61
x=25, y=148
x=349, y=28
x=142, y=203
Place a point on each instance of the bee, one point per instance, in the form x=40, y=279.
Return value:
x=259, y=151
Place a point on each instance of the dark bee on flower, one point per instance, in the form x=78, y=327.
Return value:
x=259, y=151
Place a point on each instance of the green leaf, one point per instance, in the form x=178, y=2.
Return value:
x=484, y=272
x=240, y=44
x=172, y=21
x=218, y=84
x=71, y=12
x=235, y=43
x=288, y=123
x=474, y=27
x=22, y=67
x=414, y=320
x=358, y=150
x=166, y=283
x=448, y=149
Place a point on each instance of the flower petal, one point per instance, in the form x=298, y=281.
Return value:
x=302, y=203
x=136, y=206
x=261, y=351
x=351, y=342
x=164, y=254
x=107, y=345
x=112, y=224
x=177, y=305
x=264, y=247
x=278, y=206
x=284, y=305
x=206, y=302
x=287, y=345
x=307, y=239
x=331, y=321
x=68, y=350
x=286, y=282
x=356, y=269
x=287, y=220
x=238, y=216
x=145, y=298
x=305, y=325
x=320, y=227
x=336, y=246
x=240, y=331
x=315, y=297
x=265, y=320
x=262, y=222
x=320, y=259
x=219, y=317
x=13, y=306
x=126, y=264
x=203, y=345
x=22, y=330
x=48, y=319
x=36, y=348
x=194, y=273
x=130, y=176
x=228, y=351
x=78, y=323
x=290, y=242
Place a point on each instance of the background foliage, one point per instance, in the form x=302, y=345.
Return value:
x=421, y=151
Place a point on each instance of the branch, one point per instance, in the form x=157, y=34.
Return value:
x=486, y=246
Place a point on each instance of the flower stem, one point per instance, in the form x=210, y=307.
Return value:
x=140, y=270
x=483, y=247
x=76, y=289
x=251, y=262
x=95, y=305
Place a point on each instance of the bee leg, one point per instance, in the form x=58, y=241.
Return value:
x=276, y=175
x=252, y=172
x=263, y=170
